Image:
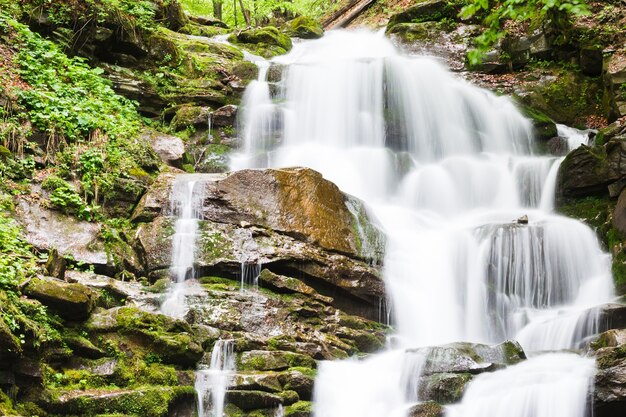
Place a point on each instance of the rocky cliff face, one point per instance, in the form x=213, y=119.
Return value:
x=81, y=332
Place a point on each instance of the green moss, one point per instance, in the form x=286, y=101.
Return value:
x=299, y=408
x=6, y=405
x=201, y=30
x=266, y=41
x=148, y=402
x=160, y=286
x=306, y=28
x=310, y=372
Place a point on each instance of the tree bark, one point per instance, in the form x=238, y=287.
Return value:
x=246, y=13
x=217, y=9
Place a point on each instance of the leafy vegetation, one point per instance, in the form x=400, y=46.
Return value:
x=553, y=13
x=258, y=11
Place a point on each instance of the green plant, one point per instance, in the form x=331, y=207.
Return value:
x=555, y=13
x=66, y=198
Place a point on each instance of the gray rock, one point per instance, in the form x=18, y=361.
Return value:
x=252, y=400
x=262, y=360
x=47, y=230
x=588, y=171
x=224, y=116
x=170, y=149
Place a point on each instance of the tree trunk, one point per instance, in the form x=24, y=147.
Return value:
x=217, y=9
x=235, y=11
x=245, y=12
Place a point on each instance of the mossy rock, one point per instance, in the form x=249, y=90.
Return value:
x=10, y=346
x=300, y=381
x=426, y=11
x=148, y=402
x=444, y=388
x=4, y=153
x=564, y=94
x=202, y=30
x=190, y=116
x=305, y=28
x=266, y=41
x=70, y=301
x=268, y=382
x=173, y=341
x=427, y=409
x=544, y=127
x=252, y=400
x=261, y=360
x=299, y=409
x=415, y=32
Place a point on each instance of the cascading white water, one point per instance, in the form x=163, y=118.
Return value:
x=212, y=383
x=186, y=204
x=447, y=168
x=547, y=386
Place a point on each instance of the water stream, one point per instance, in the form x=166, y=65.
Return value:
x=186, y=203
x=212, y=382
x=448, y=169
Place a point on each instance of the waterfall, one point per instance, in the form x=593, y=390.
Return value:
x=186, y=205
x=212, y=383
x=448, y=170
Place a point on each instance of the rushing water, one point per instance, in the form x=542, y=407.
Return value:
x=212, y=382
x=475, y=252
x=186, y=205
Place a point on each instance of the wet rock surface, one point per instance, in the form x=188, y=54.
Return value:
x=610, y=380
x=292, y=221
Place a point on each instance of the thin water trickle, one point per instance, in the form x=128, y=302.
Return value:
x=212, y=382
x=186, y=205
x=447, y=168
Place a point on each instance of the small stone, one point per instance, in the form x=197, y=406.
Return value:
x=522, y=220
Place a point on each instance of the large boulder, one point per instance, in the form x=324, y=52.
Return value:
x=610, y=382
x=47, y=230
x=71, y=301
x=259, y=360
x=267, y=41
x=424, y=11
x=597, y=170
x=298, y=202
x=470, y=358
x=305, y=28
x=292, y=219
x=170, y=149
x=172, y=340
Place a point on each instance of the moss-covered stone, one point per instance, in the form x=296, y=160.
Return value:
x=299, y=409
x=252, y=400
x=202, y=30
x=426, y=10
x=190, y=116
x=305, y=27
x=268, y=382
x=427, y=409
x=267, y=41
x=544, y=127
x=149, y=402
x=284, y=284
x=10, y=346
x=444, y=388
x=300, y=381
x=71, y=301
x=259, y=360
x=171, y=340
